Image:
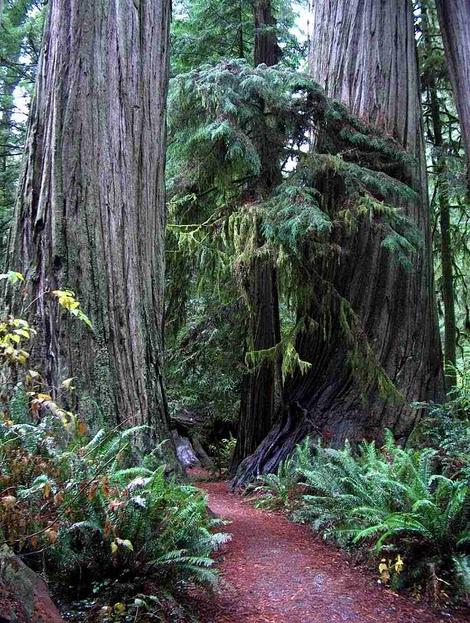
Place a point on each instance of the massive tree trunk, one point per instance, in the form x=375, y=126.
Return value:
x=363, y=53
x=90, y=214
x=258, y=398
x=454, y=18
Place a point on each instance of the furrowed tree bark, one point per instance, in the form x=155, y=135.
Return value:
x=266, y=48
x=90, y=214
x=454, y=19
x=363, y=53
x=258, y=397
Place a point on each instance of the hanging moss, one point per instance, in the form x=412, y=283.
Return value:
x=336, y=172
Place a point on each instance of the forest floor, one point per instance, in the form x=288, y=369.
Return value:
x=274, y=571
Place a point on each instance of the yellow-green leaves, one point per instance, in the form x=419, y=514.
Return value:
x=67, y=384
x=121, y=543
x=12, y=276
x=67, y=300
x=13, y=331
x=388, y=567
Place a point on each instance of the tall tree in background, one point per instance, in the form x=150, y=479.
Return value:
x=206, y=31
x=364, y=54
x=266, y=47
x=19, y=53
x=90, y=214
x=436, y=129
x=454, y=18
x=258, y=395
x=367, y=60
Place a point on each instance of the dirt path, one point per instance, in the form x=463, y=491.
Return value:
x=274, y=571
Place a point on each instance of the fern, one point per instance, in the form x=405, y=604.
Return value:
x=389, y=498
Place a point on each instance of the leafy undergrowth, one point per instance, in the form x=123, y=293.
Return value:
x=90, y=514
x=98, y=519
x=406, y=509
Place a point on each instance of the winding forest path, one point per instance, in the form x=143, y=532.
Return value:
x=273, y=571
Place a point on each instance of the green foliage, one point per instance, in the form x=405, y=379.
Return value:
x=462, y=568
x=222, y=454
x=75, y=500
x=282, y=490
x=215, y=113
x=446, y=427
x=219, y=208
x=204, y=362
x=392, y=499
x=208, y=31
x=275, y=490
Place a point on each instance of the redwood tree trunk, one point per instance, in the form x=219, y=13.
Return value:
x=454, y=19
x=257, y=408
x=259, y=387
x=363, y=53
x=90, y=214
x=266, y=49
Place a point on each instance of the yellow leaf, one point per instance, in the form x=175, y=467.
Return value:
x=12, y=276
x=52, y=535
x=399, y=564
x=47, y=490
x=119, y=608
x=23, y=357
x=43, y=397
x=125, y=543
x=114, y=547
x=67, y=384
x=383, y=566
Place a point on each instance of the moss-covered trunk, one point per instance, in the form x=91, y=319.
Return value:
x=257, y=408
x=363, y=53
x=90, y=214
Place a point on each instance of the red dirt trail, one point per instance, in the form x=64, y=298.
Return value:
x=273, y=571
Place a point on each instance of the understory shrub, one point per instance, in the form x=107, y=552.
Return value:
x=446, y=427
x=90, y=515
x=282, y=490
